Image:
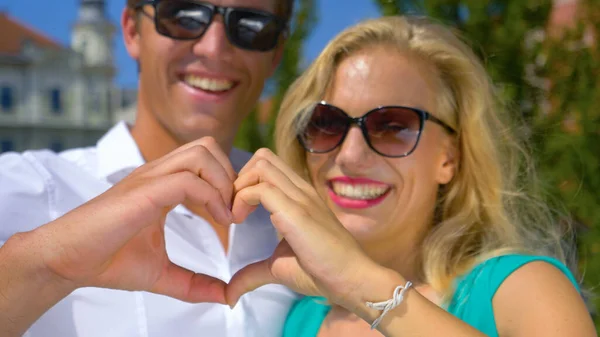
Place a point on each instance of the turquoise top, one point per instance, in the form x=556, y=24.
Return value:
x=472, y=301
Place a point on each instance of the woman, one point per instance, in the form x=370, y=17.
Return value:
x=416, y=196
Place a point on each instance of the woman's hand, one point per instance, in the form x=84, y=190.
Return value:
x=317, y=256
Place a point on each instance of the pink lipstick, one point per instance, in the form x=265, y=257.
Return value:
x=352, y=203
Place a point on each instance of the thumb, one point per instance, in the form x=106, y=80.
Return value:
x=247, y=279
x=185, y=285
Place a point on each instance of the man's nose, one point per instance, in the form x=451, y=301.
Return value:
x=214, y=43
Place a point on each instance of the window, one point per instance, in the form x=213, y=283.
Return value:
x=6, y=99
x=95, y=102
x=56, y=146
x=6, y=145
x=84, y=46
x=56, y=101
x=127, y=99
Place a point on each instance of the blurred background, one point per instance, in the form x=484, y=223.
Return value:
x=65, y=78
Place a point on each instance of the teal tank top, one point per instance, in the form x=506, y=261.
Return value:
x=472, y=300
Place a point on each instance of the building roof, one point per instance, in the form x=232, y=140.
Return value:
x=15, y=33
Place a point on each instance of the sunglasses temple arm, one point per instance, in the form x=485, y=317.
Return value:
x=144, y=3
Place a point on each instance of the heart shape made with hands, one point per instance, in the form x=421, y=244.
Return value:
x=282, y=267
x=129, y=219
x=302, y=218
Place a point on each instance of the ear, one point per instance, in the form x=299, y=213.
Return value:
x=448, y=161
x=131, y=34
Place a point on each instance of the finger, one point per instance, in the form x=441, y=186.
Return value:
x=200, y=161
x=268, y=155
x=282, y=268
x=272, y=198
x=201, y=192
x=248, y=279
x=214, y=148
x=185, y=285
x=294, y=221
x=242, y=214
x=139, y=208
x=265, y=171
x=211, y=145
x=185, y=187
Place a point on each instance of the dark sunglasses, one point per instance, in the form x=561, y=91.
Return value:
x=188, y=20
x=391, y=131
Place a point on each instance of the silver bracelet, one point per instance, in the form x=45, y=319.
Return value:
x=390, y=304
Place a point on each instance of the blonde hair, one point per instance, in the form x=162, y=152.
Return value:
x=486, y=210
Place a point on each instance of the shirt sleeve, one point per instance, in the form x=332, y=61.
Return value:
x=25, y=188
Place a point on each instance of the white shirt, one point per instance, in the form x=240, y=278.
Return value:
x=36, y=187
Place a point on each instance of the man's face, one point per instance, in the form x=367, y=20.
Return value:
x=201, y=87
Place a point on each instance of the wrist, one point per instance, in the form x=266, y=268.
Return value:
x=378, y=286
x=24, y=277
x=27, y=289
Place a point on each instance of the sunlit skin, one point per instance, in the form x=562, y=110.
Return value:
x=170, y=111
x=319, y=254
x=390, y=230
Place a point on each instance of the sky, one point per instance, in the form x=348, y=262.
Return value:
x=55, y=18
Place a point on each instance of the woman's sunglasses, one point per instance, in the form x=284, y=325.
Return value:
x=188, y=20
x=391, y=131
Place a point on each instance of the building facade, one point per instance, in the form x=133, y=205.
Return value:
x=54, y=96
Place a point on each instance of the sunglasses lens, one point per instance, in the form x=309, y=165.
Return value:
x=182, y=19
x=253, y=30
x=325, y=129
x=393, y=131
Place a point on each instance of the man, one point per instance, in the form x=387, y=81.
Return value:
x=202, y=68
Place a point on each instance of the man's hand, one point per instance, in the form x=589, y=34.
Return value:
x=117, y=239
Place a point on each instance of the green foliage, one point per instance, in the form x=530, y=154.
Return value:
x=252, y=135
x=249, y=136
x=291, y=63
x=495, y=29
x=554, y=83
x=568, y=135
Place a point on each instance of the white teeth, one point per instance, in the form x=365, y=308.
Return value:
x=208, y=84
x=359, y=191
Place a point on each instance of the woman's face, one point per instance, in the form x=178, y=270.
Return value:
x=383, y=202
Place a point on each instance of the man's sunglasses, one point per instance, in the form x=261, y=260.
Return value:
x=248, y=29
x=391, y=131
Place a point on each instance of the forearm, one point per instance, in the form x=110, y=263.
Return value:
x=27, y=290
x=415, y=316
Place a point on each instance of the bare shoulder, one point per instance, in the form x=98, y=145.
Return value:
x=538, y=299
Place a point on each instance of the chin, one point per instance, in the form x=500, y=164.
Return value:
x=199, y=122
x=361, y=227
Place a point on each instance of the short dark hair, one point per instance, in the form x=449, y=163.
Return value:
x=284, y=8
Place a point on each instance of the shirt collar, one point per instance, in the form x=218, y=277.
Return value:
x=118, y=154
